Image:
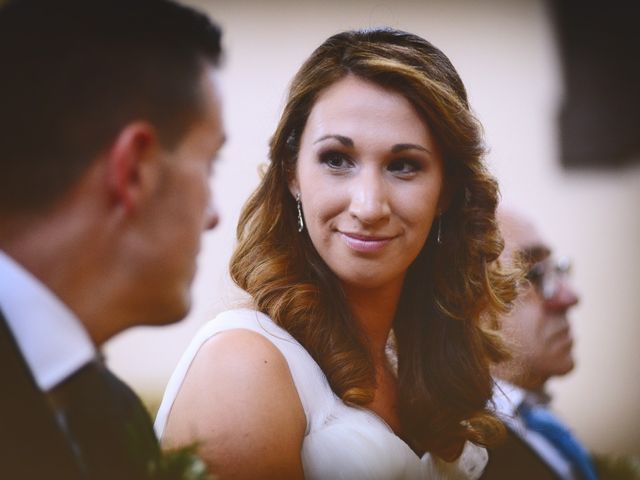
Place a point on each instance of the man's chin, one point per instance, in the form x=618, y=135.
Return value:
x=565, y=366
x=173, y=312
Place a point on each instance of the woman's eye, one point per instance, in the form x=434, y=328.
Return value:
x=404, y=166
x=335, y=160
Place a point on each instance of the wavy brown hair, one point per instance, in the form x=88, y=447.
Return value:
x=451, y=290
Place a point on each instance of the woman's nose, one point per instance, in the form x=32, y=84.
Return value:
x=369, y=197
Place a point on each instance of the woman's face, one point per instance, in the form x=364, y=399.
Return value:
x=370, y=178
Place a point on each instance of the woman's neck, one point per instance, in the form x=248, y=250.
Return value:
x=374, y=309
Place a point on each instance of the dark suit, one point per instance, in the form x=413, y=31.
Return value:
x=91, y=426
x=515, y=460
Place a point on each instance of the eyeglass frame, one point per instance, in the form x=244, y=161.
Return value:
x=547, y=275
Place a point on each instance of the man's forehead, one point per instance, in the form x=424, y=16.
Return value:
x=521, y=237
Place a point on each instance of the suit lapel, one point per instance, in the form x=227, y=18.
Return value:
x=32, y=446
x=91, y=425
x=514, y=458
x=109, y=427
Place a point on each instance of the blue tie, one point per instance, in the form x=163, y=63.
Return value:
x=540, y=419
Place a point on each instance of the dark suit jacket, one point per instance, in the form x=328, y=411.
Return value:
x=514, y=459
x=91, y=426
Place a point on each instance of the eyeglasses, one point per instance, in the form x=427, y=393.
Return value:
x=546, y=276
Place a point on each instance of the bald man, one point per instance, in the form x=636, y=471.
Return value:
x=538, y=334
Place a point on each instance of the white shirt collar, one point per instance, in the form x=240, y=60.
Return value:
x=51, y=338
x=507, y=398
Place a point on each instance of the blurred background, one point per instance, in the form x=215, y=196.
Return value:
x=558, y=102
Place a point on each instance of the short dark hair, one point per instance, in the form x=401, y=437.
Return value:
x=74, y=72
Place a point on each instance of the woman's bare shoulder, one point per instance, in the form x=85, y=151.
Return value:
x=239, y=402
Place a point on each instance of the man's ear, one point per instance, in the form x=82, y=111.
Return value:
x=132, y=165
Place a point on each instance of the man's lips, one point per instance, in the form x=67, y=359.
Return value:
x=365, y=243
x=561, y=335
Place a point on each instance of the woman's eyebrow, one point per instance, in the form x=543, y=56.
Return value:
x=346, y=141
x=400, y=147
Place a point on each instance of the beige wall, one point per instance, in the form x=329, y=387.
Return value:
x=505, y=53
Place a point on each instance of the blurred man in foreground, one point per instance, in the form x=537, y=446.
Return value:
x=109, y=123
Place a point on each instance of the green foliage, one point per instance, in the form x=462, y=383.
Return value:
x=181, y=464
x=617, y=467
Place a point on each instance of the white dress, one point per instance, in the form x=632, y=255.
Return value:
x=340, y=441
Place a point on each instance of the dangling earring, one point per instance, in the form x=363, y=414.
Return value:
x=439, y=238
x=299, y=207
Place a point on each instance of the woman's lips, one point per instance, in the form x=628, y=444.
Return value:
x=364, y=243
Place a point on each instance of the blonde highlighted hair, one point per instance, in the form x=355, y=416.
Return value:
x=452, y=289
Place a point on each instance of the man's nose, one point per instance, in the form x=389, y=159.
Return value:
x=564, y=296
x=369, y=197
x=212, y=217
